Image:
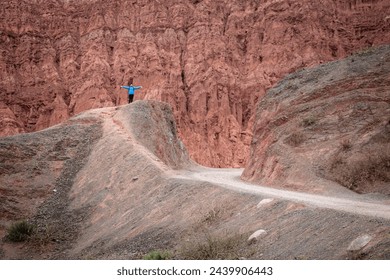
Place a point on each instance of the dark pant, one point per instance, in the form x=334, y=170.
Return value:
x=131, y=96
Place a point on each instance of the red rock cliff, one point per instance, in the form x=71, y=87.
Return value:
x=211, y=60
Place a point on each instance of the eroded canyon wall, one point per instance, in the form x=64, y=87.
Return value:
x=211, y=60
x=326, y=124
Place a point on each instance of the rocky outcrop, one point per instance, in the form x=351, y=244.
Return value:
x=327, y=124
x=211, y=60
x=8, y=123
x=152, y=124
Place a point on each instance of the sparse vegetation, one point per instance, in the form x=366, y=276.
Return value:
x=212, y=216
x=296, y=138
x=346, y=145
x=20, y=231
x=357, y=255
x=354, y=173
x=43, y=236
x=365, y=51
x=309, y=121
x=158, y=255
x=213, y=248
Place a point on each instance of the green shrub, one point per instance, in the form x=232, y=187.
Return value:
x=20, y=231
x=157, y=255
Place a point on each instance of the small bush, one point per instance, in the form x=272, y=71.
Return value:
x=157, y=255
x=346, y=145
x=357, y=255
x=296, y=138
x=365, y=51
x=213, y=248
x=359, y=173
x=20, y=231
x=309, y=121
x=43, y=235
x=211, y=217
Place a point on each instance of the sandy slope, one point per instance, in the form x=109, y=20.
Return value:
x=147, y=194
x=135, y=190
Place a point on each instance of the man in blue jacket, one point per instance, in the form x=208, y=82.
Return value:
x=131, y=89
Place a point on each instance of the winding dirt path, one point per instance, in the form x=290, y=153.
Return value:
x=230, y=179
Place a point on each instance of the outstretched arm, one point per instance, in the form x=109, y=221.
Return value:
x=126, y=87
x=137, y=87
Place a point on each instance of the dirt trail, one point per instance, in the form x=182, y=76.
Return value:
x=115, y=125
x=132, y=189
x=230, y=179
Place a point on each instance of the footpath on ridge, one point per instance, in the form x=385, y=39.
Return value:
x=230, y=179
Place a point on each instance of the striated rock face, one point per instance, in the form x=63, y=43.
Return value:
x=211, y=60
x=327, y=125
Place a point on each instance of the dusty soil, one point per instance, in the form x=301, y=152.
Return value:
x=337, y=199
x=120, y=197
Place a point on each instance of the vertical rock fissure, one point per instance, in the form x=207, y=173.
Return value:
x=186, y=89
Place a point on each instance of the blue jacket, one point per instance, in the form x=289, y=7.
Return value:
x=131, y=89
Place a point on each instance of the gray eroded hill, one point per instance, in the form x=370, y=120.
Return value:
x=327, y=126
x=109, y=184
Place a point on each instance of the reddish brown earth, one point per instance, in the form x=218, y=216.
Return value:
x=211, y=60
x=326, y=125
x=103, y=186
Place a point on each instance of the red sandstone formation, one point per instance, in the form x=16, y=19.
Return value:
x=211, y=60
